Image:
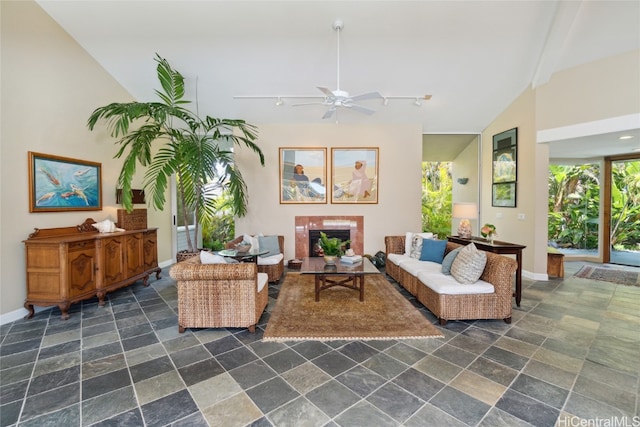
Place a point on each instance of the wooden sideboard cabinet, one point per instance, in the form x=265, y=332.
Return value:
x=69, y=264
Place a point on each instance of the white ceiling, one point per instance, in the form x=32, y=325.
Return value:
x=474, y=57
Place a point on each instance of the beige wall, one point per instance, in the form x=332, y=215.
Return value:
x=599, y=90
x=397, y=211
x=520, y=114
x=50, y=86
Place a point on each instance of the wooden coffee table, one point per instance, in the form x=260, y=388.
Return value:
x=341, y=274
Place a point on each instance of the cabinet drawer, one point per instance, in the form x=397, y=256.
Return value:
x=78, y=246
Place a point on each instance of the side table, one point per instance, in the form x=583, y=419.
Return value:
x=497, y=247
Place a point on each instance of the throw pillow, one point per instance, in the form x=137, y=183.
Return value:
x=269, y=243
x=448, y=261
x=409, y=237
x=469, y=264
x=433, y=250
x=252, y=240
x=210, y=258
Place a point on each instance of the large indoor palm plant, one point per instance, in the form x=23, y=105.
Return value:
x=189, y=147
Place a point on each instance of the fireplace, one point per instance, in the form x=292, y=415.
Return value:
x=305, y=224
x=314, y=236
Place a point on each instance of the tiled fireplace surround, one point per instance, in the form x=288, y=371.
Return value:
x=355, y=224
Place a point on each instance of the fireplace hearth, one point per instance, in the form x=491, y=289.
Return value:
x=354, y=225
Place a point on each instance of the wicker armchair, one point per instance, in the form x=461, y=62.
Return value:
x=219, y=295
x=498, y=271
x=274, y=271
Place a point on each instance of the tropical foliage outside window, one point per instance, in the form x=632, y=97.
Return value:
x=574, y=205
x=436, y=198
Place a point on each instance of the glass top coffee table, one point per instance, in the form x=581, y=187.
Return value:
x=342, y=274
x=245, y=256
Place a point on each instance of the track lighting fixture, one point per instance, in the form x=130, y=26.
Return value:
x=417, y=100
x=279, y=102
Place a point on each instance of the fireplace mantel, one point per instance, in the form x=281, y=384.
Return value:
x=305, y=223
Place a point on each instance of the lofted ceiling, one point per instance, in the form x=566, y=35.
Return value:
x=473, y=57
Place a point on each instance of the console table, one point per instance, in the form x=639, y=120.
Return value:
x=502, y=248
x=70, y=264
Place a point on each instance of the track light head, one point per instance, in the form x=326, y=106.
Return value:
x=279, y=101
x=418, y=102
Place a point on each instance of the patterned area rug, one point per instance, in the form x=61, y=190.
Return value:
x=339, y=315
x=614, y=275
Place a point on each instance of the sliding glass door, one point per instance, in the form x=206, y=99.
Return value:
x=622, y=215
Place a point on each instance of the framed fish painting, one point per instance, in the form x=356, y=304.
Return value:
x=63, y=184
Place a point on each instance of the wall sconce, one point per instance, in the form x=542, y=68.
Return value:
x=465, y=211
x=463, y=181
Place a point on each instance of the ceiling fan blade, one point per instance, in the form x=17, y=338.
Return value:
x=326, y=91
x=370, y=95
x=329, y=113
x=361, y=109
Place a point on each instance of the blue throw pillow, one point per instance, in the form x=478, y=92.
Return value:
x=269, y=243
x=448, y=261
x=433, y=250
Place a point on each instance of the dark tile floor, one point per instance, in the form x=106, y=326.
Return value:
x=573, y=350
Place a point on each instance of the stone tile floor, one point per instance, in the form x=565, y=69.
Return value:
x=571, y=353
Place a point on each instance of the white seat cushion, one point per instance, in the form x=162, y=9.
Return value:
x=270, y=260
x=397, y=258
x=414, y=266
x=447, y=285
x=262, y=280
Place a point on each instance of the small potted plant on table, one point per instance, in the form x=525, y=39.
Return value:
x=332, y=247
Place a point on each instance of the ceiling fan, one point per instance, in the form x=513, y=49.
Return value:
x=340, y=98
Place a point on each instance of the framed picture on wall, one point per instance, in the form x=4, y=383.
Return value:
x=63, y=184
x=504, y=195
x=303, y=175
x=354, y=175
x=505, y=166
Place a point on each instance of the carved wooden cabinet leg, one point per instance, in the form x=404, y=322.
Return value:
x=101, y=296
x=31, y=310
x=145, y=280
x=181, y=329
x=64, y=308
x=158, y=273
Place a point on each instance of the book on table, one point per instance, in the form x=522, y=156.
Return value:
x=351, y=259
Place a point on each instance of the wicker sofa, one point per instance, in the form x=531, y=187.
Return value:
x=273, y=268
x=460, y=305
x=219, y=295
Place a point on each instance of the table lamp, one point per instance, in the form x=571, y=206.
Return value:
x=465, y=212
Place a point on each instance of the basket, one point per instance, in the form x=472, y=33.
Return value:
x=294, y=264
x=136, y=220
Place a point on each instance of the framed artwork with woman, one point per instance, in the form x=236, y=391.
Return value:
x=354, y=175
x=303, y=175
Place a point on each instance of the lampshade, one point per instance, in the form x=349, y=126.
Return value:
x=465, y=211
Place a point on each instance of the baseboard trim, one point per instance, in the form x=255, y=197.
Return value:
x=535, y=276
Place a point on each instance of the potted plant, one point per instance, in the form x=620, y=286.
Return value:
x=195, y=149
x=332, y=247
